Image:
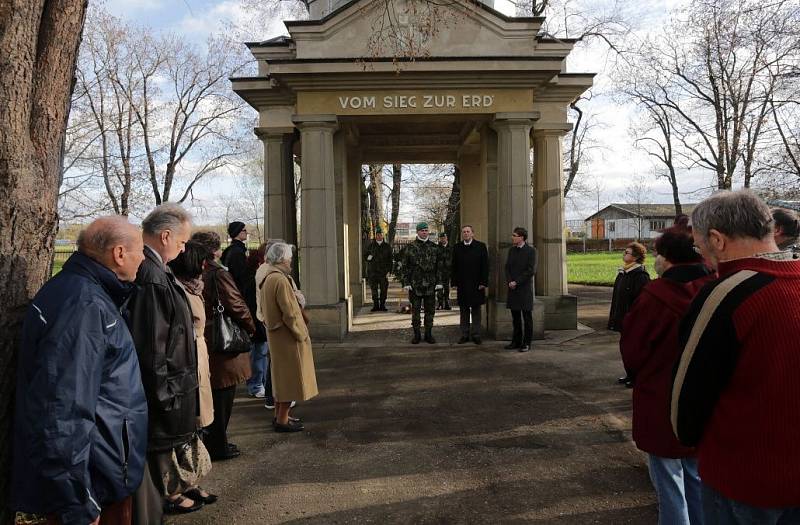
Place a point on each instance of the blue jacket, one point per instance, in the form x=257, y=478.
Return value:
x=80, y=428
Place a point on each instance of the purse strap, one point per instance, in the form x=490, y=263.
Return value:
x=218, y=308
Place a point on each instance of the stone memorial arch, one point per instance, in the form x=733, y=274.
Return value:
x=490, y=92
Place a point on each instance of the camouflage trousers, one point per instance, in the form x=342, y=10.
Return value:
x=419, y=301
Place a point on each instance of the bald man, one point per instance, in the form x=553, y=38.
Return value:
x=80, y=427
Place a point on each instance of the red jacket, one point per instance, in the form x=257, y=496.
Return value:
x=737, y=394
x=650, y=348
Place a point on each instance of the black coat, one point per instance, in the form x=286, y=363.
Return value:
x=627, y=287
x=235, y=260
x=468, y=270
x=160, y=320
x=521, y=267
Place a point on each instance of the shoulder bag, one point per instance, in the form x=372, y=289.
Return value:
x=227, y=336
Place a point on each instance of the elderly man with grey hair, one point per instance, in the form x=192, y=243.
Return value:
x=736, y=394
x=81, y=413
x=160, y=320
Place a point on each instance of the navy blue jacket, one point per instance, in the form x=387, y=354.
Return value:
x=80, y=428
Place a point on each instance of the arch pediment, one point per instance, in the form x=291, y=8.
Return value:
x=462, y=28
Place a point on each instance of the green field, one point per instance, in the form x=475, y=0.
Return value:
x=593, y=268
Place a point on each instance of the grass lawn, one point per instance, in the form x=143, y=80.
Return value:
x=593, y=268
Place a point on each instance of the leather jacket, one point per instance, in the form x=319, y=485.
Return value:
x=160, y=320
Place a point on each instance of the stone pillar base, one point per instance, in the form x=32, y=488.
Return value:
x=327, y=323
x=500, y=326
x=560, y=311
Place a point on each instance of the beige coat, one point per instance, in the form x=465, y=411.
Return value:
x=203, y=374
x=292, y=363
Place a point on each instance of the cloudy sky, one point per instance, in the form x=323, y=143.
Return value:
x=615, y=162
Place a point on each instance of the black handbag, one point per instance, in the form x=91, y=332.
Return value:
x=227, y=336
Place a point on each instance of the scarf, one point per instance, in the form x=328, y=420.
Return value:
x=630, y=266
x=193, y=286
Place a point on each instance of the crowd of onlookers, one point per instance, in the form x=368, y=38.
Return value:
x=711, y=351
x=129, y=363
x=131, y=356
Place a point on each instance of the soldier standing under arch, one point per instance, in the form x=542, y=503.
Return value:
x=422, y=278
x=378, y=257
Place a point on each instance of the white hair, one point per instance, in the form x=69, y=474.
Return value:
x=167, y=216
x=279, y=252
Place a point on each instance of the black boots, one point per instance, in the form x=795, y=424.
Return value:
x=429, y=337
x=382, y=307
x=375, y=307
x=417, y=337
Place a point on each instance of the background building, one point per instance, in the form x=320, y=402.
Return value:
x=632, y=221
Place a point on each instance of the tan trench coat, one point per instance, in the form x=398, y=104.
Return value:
x=203, y=375
x=292, y=363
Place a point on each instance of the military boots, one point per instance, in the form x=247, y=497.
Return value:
x=417, y=337
x=429, y=337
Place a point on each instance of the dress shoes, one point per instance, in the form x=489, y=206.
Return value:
x=463, y=340
x=228, y=454
x=512, y=346
x=174, y=506
x=524, y=348
x=197, y=496
x=476, y=340
x=291, y=426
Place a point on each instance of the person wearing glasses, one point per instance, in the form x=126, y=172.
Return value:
x=520, y=269
x=631, y=278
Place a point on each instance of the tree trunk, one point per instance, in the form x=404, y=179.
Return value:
x=673, y=180
x=452, y=221
x=39, y=46
x=397, y=177
x=376, y=195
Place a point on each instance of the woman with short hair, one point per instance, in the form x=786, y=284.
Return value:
x=631, y=278
x=291, y=359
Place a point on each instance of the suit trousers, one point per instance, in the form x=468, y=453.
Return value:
x=216, y=441
x=418, y=301
x=522, y=335
x=470, y=329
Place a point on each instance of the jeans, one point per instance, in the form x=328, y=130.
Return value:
x=258, y=368
x=719, y=510
x=678, y=490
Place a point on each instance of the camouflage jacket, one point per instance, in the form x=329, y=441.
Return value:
x=378, y=258
x=422, y=267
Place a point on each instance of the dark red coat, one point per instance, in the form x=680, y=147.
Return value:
x=650, y=349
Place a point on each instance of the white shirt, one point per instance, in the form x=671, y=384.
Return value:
x=468, y=243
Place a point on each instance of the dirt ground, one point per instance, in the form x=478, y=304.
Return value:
x=445, y=434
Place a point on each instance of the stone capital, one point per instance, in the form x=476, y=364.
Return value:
x=509, y=120
x=306, y=122
x=544, y=129
x=272, y=133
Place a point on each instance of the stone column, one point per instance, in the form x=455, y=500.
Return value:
x=551, y=277
x=319, y=265
x=353, y=216
x=514, y=205
x=473, y=194
x=280, y=219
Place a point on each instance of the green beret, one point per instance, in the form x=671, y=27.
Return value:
x=422, y=226
x=443, y=234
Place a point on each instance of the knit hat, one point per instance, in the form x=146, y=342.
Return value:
x=235, y=228
x=422, y=226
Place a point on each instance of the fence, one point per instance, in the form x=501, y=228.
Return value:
x=603, y=245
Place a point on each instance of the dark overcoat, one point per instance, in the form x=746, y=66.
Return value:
x=521, y=267
x=627, y=287
x=162, y=327
x=468, y=270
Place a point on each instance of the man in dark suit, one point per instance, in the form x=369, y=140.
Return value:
x=470, y=274
x=520, y=269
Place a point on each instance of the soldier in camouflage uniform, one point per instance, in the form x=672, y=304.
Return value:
x=422, y=277
x=378, y=257
x=443, y=295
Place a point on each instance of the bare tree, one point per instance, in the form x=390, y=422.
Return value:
x=38, y=45
x=162, y=111
x=394, y=194
x=375, y=192
x=715, y=69
x=638, y=194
